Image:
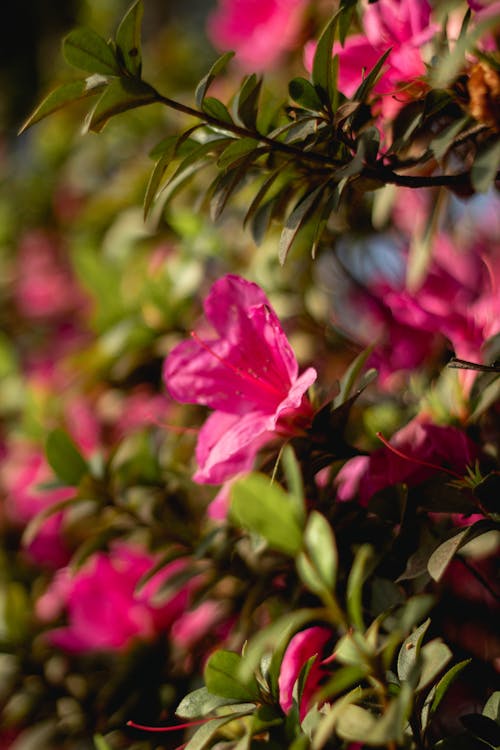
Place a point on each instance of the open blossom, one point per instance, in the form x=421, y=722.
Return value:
x=259, y=31
x=304, y=645
x=104, y=608
x=399, y=25
x=421, y=450
x=247, y=372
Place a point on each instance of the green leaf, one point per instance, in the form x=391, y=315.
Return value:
x=65, y=458
x=218, y=67
x=225, y=185
x=266, y=509
x=492, y=707
x=321, y=547
x=128, y=39
x=410, y=651
x=293, y=476
x=100, y=743
x=236, y=151
x=357, y=724
x=120, y=95
x=203, y=736
x=358, y=574
x=322, y=68
x=200, y=703
x=443, y=555
x=485, y=167
x=434, y=657
x=64, y=95
x=246, y=101
x=215, y=108
x=222, y=678
x=444, y=684
x=371, y=79
x=343, y=678
x=483, y=727
x=261, y=194
x=299, y=215
x=303, y=92
x=86, y=50
x=351, y=376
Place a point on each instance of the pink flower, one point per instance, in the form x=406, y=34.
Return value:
x=260, y=31
x=247, y=372
x=44, y=287
x=400, y=25
x=421, y=450
x=103, y=606
x=23, y=472
x=304, y=645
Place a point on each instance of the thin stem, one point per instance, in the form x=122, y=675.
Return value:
x=379, y=173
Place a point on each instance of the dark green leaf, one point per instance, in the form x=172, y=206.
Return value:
x=265, y=508
x=485, y=167
x=358, y=574
x=236, y=151
x=343, y=679
x=214, y=71
x=225, y=185
x=261, y=194
x=347, y=8
x=322, y=69
x=222, y=677
x=201, y=703
x=247, y=100
x=371, y=79
x=445, y=683
x=301, y=212
x=128, y=39
x=65, y=458
x=203, y=736
x=215, y=108
x=64, y=95
x=444, y=141
x=303, y=92
x=86, y=50
x=483, y=727
x=443, y=555
x=120, y=95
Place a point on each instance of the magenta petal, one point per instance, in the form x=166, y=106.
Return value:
x=227, y=445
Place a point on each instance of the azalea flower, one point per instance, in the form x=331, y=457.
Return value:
x=258, y=30
x=402, y=26
x=247, y=372
x=416, y=453
x=104, y=607
x=304, y=645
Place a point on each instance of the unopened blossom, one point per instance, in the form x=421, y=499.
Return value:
x=308, y=643
x=103, y=604
x=401, y=26
x=245, y=370
x=259, y=31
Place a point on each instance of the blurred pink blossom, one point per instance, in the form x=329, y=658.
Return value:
x=247, y=373
x=44, y=286
x=304, y=645
x=22, y=473
x=259, y=31
x=104, y=608
x=421, y=451
x=402, y=26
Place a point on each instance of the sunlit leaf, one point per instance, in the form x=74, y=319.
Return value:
x=128, y=39
x=86, y=50
x=64, y=95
